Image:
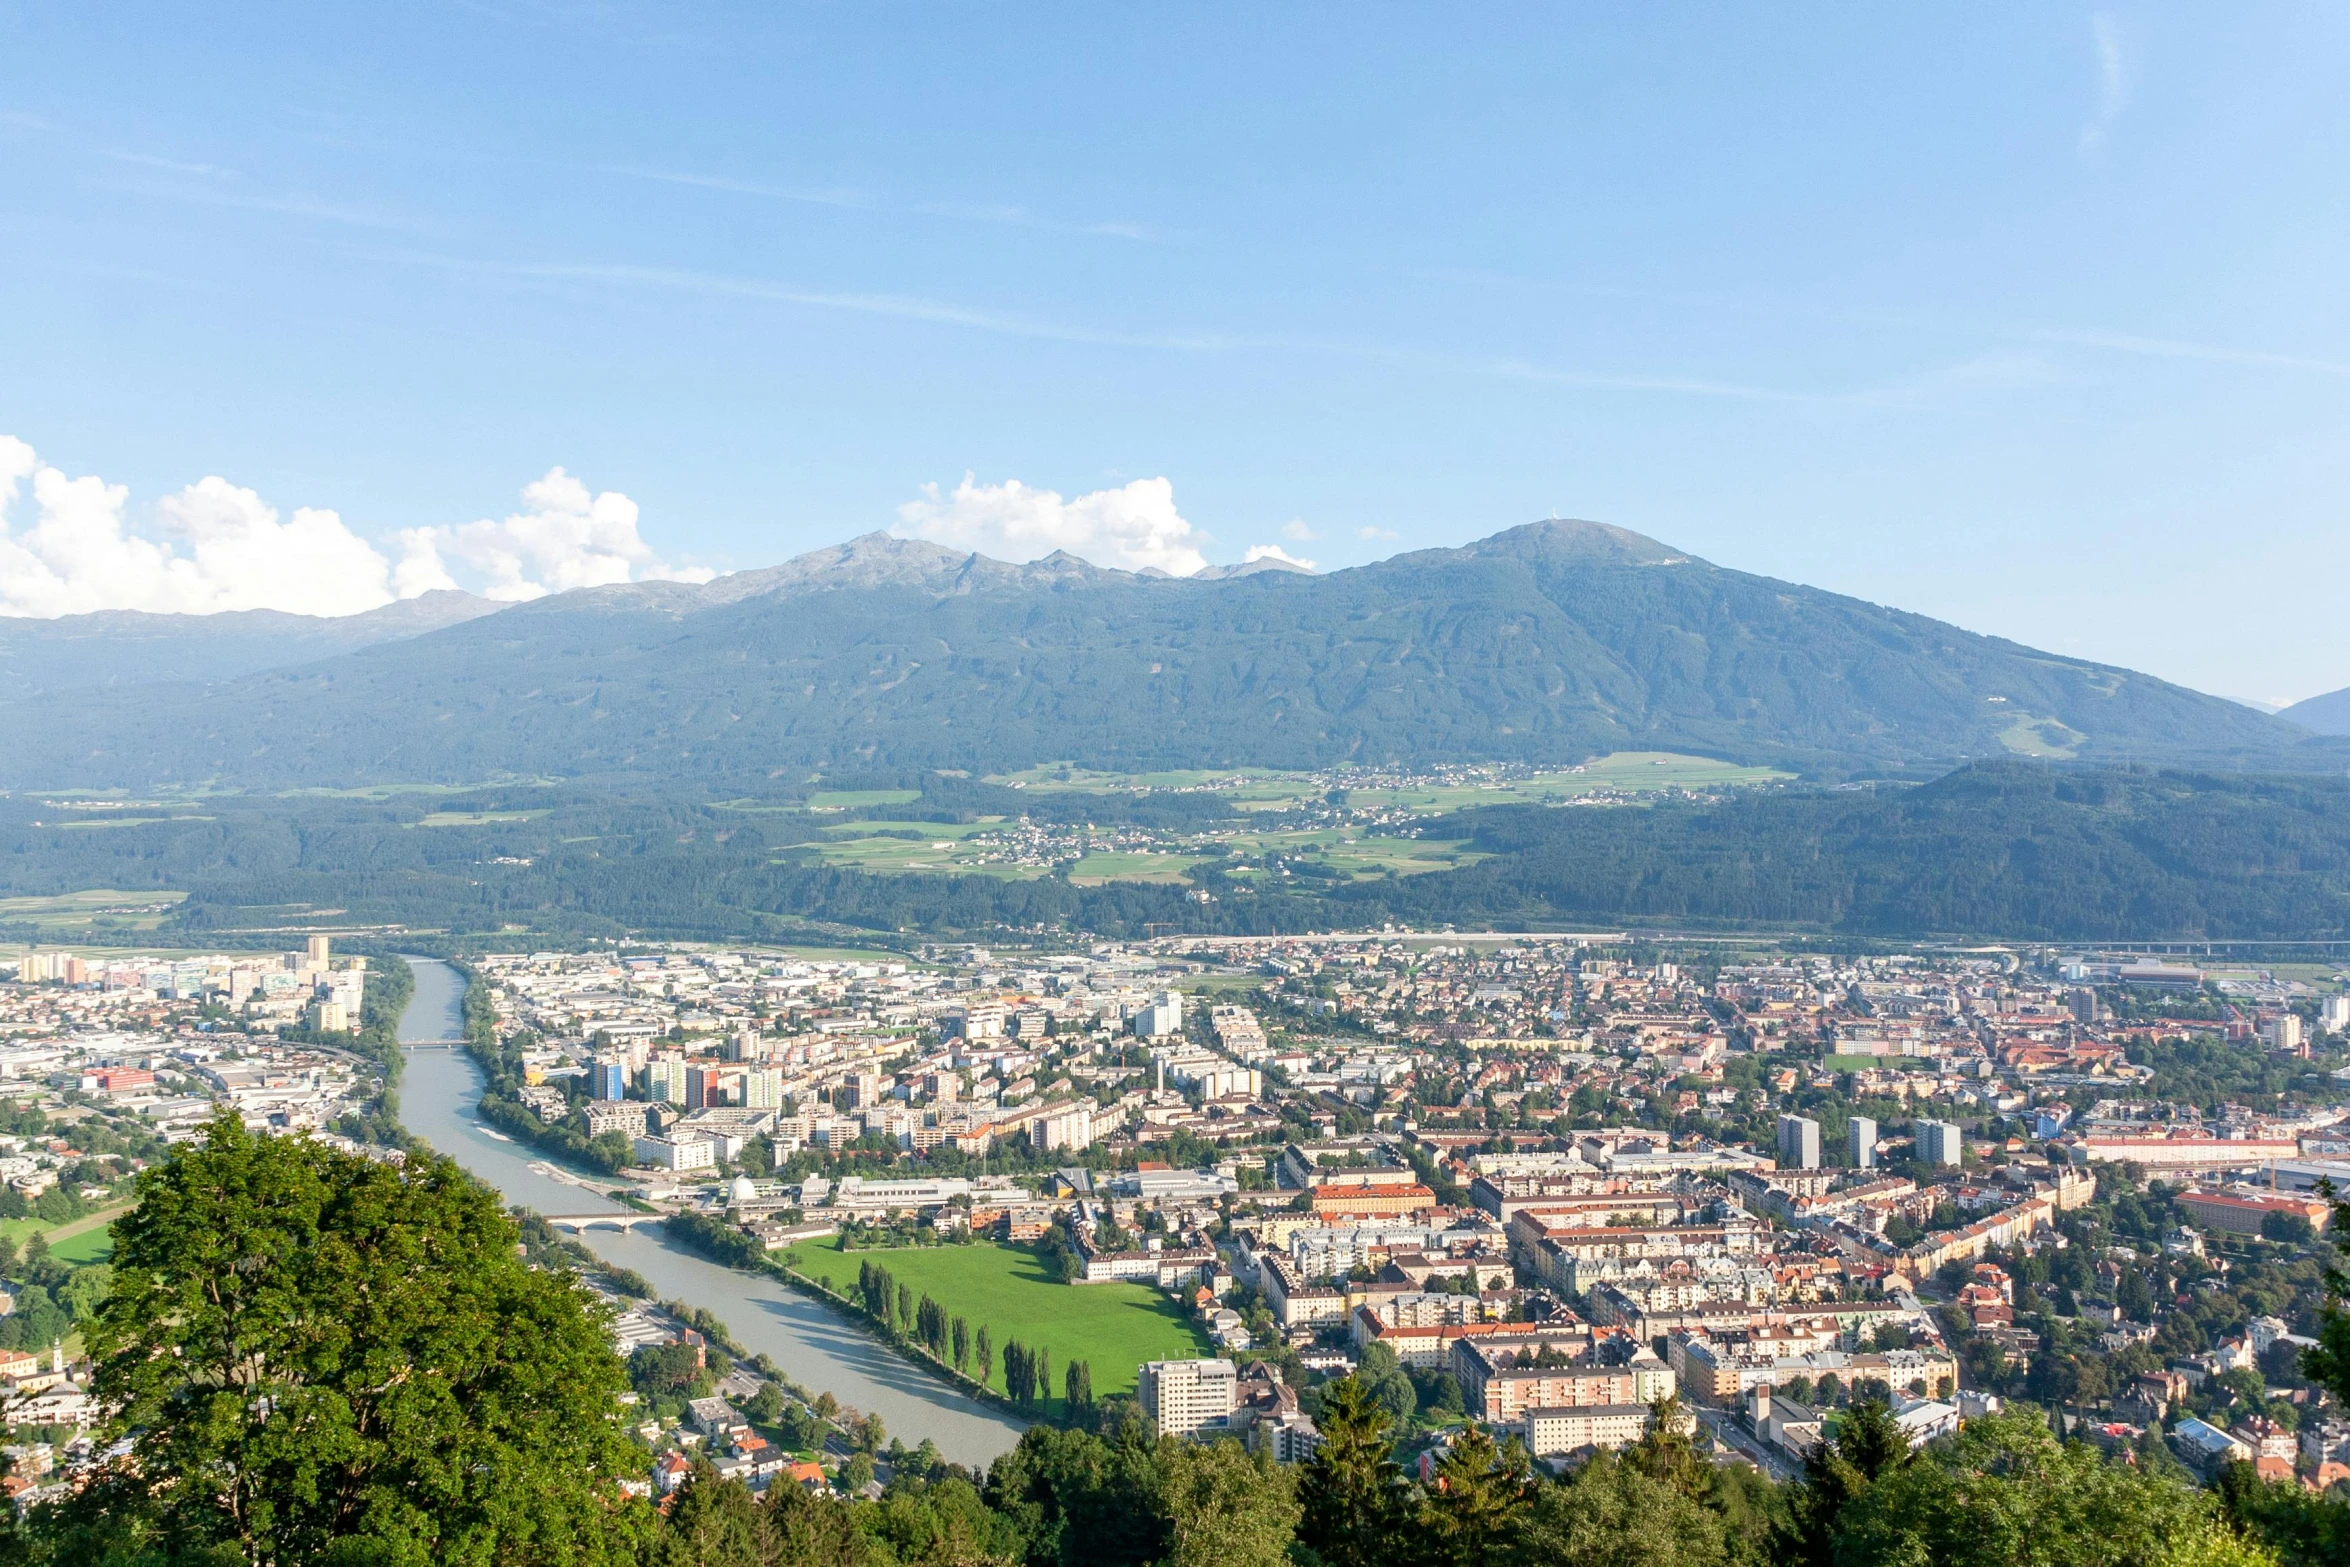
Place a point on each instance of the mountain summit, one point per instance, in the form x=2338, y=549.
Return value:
x=1547, y=643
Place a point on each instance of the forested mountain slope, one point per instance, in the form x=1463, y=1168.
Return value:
x=1548, y=643
x=116, y=648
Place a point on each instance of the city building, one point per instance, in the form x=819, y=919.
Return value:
x=1183, y=1396
x=1938, y=1142
x=1799, y=1143
x=1163, y=1015
x=1860, y=1135
x=677, y=1153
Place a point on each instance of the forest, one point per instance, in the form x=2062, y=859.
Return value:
x=2010, y=850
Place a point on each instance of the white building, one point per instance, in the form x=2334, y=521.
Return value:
x=677, y=1153
x=1182, y=1396
x=1938, y=1142
x=1163, y=1015
x=1576, y=1429
x=1799, y=1143
x=1069, y=1127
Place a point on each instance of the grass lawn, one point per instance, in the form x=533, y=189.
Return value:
x=882, y=847
x=97, y=906
x=95, y=1244
x=76, y=1240
x=842, y=799
x=1094, y=869
x=1358, y=854
x=1115, y=1327
x=1853, y=1063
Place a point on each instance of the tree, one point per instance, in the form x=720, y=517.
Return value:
x=904, y=1321
x=1079, y=1389
x=668, y=1370
x=318, y=1356
x=2291, y=1228
x=2004, y=1490
x=712, y=1523
x=962, y=1341
x=814, y=1531
x=1835, y=1474
x=1227, y=1507
x=1611, y=1514
x=1383, y=1373
x=984, y=1350
x=1470, y=1514
x=1666, y=1454
x=2327, y=1363
x=1350, y=1492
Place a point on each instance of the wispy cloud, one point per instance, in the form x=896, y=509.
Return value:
x=909, y=307
x=1690, y=386
x=211, y=185
x=2171, y=348
x=169, y=165
x=915, y=307
x=2113, y=83
x=294, y=206
x=792, y=193
x=865, y=201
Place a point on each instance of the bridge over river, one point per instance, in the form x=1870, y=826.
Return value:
x=580, y=1223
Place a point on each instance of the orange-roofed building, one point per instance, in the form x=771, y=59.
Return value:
x=1372, y=1202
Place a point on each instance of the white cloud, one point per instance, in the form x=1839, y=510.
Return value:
x=567, y=539
x=1133, y=528
x=1257, y=552
x=2113, y=82
x=215, y=546
x=223, y=548
x=1367, y=534
x=1296, y=529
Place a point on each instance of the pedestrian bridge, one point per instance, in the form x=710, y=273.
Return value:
x=432, y=1044
x=575, y=1223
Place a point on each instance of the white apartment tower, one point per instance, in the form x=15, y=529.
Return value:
x=1799, y=1143
x=1938, y=1142
x=1183, y=1396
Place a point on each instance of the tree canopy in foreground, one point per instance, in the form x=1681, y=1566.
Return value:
x=318, y=1357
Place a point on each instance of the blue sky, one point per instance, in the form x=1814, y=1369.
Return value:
x=2027, y=317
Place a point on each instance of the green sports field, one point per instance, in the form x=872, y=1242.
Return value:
x=95, y=1245
x=86, y=1239
x=1115, y=1327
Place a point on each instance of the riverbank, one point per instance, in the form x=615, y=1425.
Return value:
x=804, y=1338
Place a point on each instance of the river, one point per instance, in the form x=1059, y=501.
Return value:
x=807, y=1340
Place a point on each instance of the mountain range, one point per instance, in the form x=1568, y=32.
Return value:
x=2326, y=715
x=124, y=647
x=1547, y=643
